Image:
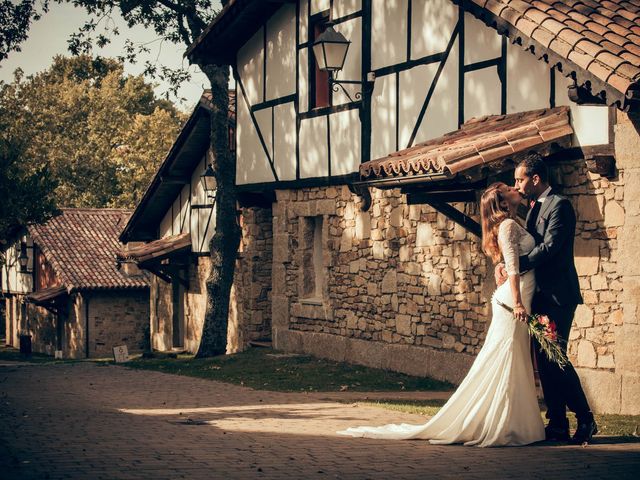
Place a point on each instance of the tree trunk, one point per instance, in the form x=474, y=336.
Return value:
x=226, y=239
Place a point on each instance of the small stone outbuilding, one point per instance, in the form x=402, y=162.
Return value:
x=71, y=297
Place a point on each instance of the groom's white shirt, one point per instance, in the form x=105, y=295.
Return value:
x=543, y=196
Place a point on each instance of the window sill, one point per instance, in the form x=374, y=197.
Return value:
x=312, y=301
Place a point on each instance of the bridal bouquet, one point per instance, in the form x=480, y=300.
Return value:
x=543, y=329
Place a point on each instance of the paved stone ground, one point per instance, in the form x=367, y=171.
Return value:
x=86, y=421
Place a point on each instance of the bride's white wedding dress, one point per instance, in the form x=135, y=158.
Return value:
x=496, y=404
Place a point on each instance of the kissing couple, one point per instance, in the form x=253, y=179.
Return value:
x=496, y=403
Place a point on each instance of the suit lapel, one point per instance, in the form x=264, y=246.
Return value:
x=546, y=205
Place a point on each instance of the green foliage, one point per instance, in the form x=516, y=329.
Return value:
x=15, y=20
x=26, y=188
x=103, y=134
x=266, y=369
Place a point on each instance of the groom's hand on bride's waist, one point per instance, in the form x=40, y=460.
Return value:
x=500, y=274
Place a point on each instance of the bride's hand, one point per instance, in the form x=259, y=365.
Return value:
x=500, y=274
x=520, y=312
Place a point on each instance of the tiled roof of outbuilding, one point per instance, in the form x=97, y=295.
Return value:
x=81, y=245
x=598, y=42
x=480, y=141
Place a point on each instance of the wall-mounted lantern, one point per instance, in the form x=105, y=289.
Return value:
x=330, y=50
x=23, y=259
x=209, y=182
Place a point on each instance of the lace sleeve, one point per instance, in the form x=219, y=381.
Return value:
x=508, y=241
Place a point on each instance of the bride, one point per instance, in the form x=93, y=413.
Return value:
x=496, y=404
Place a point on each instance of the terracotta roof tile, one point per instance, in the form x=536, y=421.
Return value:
x=479, y=141
x=157, y=249
x=81, y=246
x=599, y=38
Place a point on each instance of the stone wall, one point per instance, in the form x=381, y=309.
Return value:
x=403, y=286
x=41, y=325
x=250, y=303
x=117, y=318
x=407, y=289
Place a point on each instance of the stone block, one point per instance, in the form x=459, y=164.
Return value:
x=325, y=207
x=448, y=366
x=395, y=218
x=364, y=352
x=602, y=388
x=606, y=362
x=378, y=250
x=632, y=192
x=589, y=208
x=280, y=311
x=281, y=250
x=587, y=256
x=390, y=282
x=628, y=250
x=613, y=214
x=287, y=340
x=586, y=354
x=363, y=225
x=630, y=395
x=403, y=324
x=599, y=282
x=631, y=300
x=627, y=351
x=322, y=345
x=424, y=235
x=627, y=143
x=407, y=359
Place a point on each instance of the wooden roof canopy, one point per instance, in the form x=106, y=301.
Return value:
x=479, y=145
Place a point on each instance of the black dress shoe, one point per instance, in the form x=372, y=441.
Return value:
x=584, y=432
x=556, y=433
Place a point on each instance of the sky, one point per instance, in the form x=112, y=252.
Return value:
x=48, y=37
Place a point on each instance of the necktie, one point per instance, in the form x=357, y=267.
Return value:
x=533, y=216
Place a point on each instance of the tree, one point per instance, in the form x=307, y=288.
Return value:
x=182, y=21
x=16, y=18
x=87, y=119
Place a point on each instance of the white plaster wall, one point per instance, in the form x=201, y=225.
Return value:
x=252, y=163
x=303, y=80
x=442, y=112
x=482, y=93
x=388, y=32
x=353, y=63
x=414, y=86
x=345, y=7
x=590, y=122
x=481, y=42
x=285, y=141
x=281, y=52
x=14, y=281
x=166, y=224
x=250, y=64
x=432, y=23
x=313, y=148
x=383, y=117
x=345, y=142
x=303, y=21
x=530, y=91
x=197, y=198
x=318, y=6
x=265, y=121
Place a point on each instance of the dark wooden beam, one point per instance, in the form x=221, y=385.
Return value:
x=457, y=216
x=447, y=196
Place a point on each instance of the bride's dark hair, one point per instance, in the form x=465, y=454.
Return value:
x=492, y=215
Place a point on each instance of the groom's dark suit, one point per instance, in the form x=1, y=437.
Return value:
x=553, y=224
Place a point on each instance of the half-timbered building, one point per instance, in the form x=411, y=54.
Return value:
x=168, y=236
x=369, y=176
x=64, y=293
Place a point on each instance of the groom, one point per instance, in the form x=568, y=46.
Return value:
x=552, y=222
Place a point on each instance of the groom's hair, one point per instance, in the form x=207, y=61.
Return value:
x=534, y=165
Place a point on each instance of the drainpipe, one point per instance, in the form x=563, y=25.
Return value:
x=86, y=326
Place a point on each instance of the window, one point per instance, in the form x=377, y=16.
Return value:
x=312, y=265
x=319, y=94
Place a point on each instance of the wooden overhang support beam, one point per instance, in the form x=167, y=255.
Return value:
x=166, y=271
x=440, y=201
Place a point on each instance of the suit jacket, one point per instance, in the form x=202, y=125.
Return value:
x=552, y=256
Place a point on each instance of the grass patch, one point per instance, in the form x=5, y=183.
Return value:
x=266, y=369
x=8, y=353
x=608, y=425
